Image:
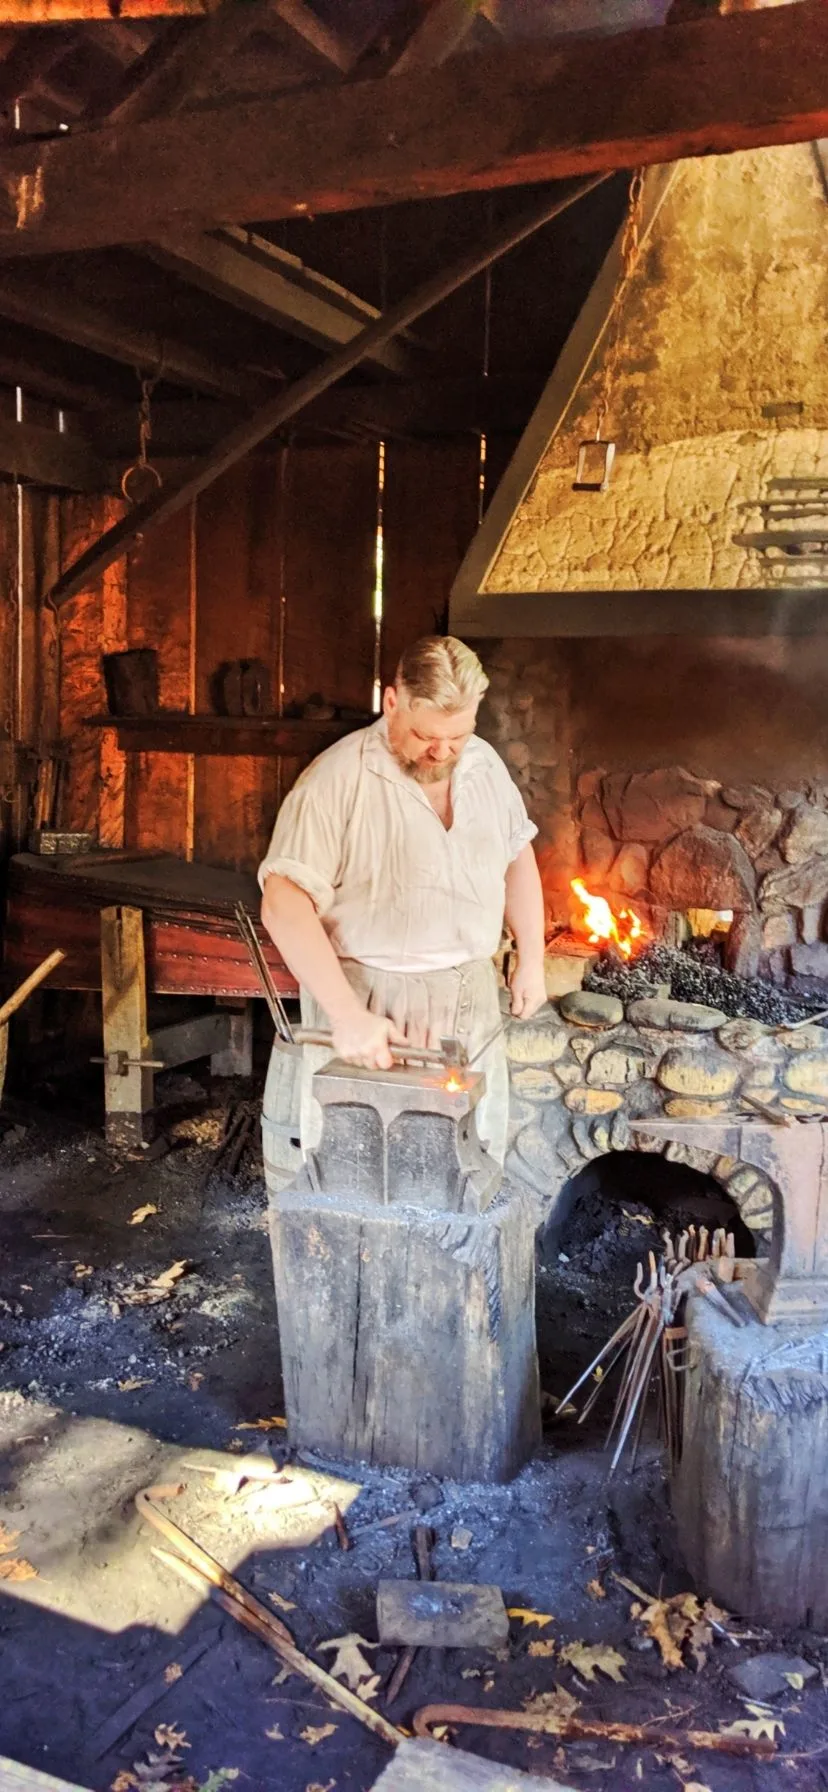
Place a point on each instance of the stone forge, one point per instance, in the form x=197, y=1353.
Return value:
x=417, y=1271
x=593, y=1075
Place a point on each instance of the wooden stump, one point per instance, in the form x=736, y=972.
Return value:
x=408, y=1335
x=751, y=1491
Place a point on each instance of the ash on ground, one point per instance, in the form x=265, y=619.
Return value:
x=695, y=975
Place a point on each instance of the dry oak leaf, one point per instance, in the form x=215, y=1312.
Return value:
x=754, y=1727
x=314, y=1733
x=132, y=1382
x=526, y=1616
x=173, y=1672
x=123, y=1782
x=8, y=1540
x=595, y=1589
x=167, y=1736
x=350, y=1664
x=274, y=1734
x=17, y=1568
x=276, y=1423
x=588, y=1658
x=559, y=1704
x=282, y=1605
x=83, y=1269
x=541, y=1648
x=140, y=1214
x=159, y=1288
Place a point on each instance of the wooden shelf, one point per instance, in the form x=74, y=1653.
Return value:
x=265, y=737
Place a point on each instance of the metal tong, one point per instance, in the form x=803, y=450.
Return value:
x=451, y=1054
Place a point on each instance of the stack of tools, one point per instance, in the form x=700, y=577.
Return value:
x=653, y=1338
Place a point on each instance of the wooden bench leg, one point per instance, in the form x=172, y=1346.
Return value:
x=236, y=1058
x=128, y=1079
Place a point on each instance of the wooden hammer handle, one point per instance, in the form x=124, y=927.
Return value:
x=29, y=984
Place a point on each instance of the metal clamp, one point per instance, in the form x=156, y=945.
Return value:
x=119, y=1063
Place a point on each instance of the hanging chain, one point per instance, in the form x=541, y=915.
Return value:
x=630, y=251
x=141, y=477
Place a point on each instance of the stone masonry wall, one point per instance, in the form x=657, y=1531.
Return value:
x=588, y=1069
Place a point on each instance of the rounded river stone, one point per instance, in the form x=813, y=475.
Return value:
x=588, y=1009
x=592, y=1101
x=807, y=1074
x=708, y=1073
x=683, y=1017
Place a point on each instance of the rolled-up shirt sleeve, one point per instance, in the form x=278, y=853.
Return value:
x=520, y=830
x=306, y=845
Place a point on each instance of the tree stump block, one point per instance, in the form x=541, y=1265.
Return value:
x=750, y=1493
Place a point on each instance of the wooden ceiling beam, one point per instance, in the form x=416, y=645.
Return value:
x=482, y=120
x=69, y=12
x=36, y=304
x=248, y=434
x=255, y=276
x=440, y=31
x=50, y=457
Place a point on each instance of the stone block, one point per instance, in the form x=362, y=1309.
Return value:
x=534, y=1083
x=656, y=805
x=807, y=1074
x=699, y=864
x=593, y=817
x=746, y=796
x=643, y=1101
x=597, y=853
x=800, y=1104
x=589, y=783
x=440, y=1615
x=631, y=869
x=779, y=931
x=601, y=1134
x=616, y=1066
x=684, y=1107
x=767, y=1676
x=538, y=1041
x=743, y=945
x=568, y=1075
x=592, y=1101
x=563, y=972
x=794, y=886
x=682, y=1017
x=803, y=1039
x=740, y=1035
x=810, y=922
x=708, y=1072
x=580, y=1045
x=620, y=1137
x=613, y=790
x=810, y=961
x=806, y=835
x=582, y=1133
x=537, y=1159
x=719, y=815
x=758, y=829
x=587, y=1009
x=517, y=755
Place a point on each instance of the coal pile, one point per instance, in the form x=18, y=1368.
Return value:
x=695, y=975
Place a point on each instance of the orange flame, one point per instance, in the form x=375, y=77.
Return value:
x=625, y=930
x=453, y=1084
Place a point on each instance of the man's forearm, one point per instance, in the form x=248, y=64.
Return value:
x=524, y=906
x=295, y=928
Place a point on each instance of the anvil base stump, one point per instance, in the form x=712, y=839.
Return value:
x=750, y=1494
x=408, y=1337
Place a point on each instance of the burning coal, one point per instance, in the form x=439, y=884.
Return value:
x=624, y=930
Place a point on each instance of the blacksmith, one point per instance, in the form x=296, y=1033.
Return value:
x=392, y=864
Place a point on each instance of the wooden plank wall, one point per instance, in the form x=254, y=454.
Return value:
x=275, y=562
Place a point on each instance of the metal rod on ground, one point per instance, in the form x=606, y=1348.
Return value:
x=233, y=447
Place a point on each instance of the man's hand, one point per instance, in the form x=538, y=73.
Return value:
x=363, y=1038
x=527, y=988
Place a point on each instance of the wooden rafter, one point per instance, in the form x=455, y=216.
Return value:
x=438, y=34
x=49, y=457
x=68, y=12
x=232, y=448
x=178, y=67
x=482, y=120
x=256, y=277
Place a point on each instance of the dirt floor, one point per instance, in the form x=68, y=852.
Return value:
x=102, y=1394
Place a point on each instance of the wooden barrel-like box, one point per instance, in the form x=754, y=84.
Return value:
x=750, y=1493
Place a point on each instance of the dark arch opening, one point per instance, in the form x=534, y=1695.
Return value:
x=605, y=1221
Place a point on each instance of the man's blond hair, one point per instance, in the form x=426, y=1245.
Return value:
x=441, y=671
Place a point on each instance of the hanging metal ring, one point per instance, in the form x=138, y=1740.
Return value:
x=149, y=477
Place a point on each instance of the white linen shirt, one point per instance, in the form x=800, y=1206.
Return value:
x=393, y=887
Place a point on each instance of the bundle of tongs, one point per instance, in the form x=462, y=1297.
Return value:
x=450, y=1055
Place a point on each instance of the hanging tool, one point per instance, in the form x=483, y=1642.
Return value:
x=451, y=1054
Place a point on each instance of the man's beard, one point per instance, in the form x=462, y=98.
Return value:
x=425, y=771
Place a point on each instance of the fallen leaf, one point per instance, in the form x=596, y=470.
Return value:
x=472, y=1673
x=195, y=1379
x=159, y=1288
x=222, y=1775
x=595, y=1589
x=7, y=1540
x=589, y=1658
x=559, y=1703
x=123, y=1782
x=132, y=1382
x=638, y=1219
x=755, y=1727
x=314, y=1733
x=461, y=1537
x=283, y=1605
x=349, y=1664
x=173, y=1672
x=598, y=1373
x=140, y=1214
x=17, y=1569
x=529, y=1617
x=274, y=1734
x=656, y=1620
x=797, y=1681
x=276, y=1423
x=83, y=1269
x=693, y=1786
x=315, y=1786
x=539, y=1648
x=167, y=1736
